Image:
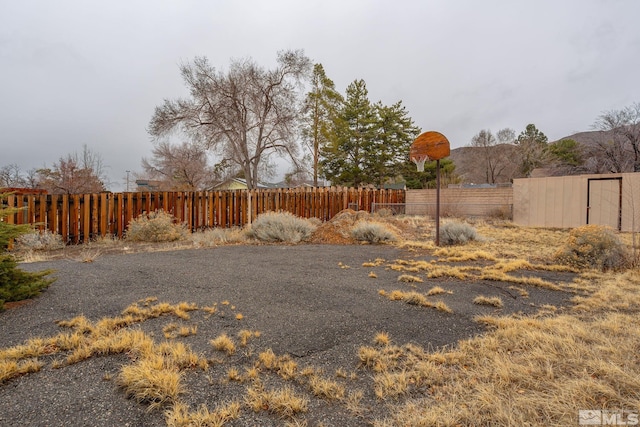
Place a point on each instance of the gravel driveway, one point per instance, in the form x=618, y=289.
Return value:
x=316, y=303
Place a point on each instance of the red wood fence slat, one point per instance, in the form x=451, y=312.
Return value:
x=81, y=217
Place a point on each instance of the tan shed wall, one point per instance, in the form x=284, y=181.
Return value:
x=461, y=202
x=562, y=201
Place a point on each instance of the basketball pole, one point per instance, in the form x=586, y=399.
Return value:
x=438, y=202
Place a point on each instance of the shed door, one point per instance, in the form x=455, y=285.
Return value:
x=605, y=202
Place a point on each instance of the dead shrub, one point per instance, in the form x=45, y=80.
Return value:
x=594, y=246
x=157, y=226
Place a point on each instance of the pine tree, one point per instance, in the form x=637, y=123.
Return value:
x=344, y=157
x=387, y=152
x=320, y=110
x=16, y=284
x=418, y=180
x=532, y=149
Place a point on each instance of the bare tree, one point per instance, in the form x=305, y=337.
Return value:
x=11, y=176
x=180, y=167
x=621, y=145
x=74, y=174
x=492, y=157
x=244, y=115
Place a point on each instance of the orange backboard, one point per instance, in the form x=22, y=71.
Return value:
x=433, y=145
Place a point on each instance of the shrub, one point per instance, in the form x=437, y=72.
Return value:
x=457, y=233
x=39, y=241
x=16, y=284
x=157, y=226
x=281, y=227
x=594, y=246
x=218, y=236
x=372, y=232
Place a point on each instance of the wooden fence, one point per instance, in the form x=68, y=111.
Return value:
x=81, y=217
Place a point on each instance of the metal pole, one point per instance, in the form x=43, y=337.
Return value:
x=438, y=202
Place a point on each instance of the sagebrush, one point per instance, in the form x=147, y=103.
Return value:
x=43, y=240
x=373, y=232
x=157, y=226
x=457, y=233
x=281, y=227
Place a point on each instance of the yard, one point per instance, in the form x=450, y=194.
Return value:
x=327, y=333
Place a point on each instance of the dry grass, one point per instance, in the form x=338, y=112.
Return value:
x=150, y=381
x=283, y=402
x=492, y=301
x=180, y=416
x=408, y=278
x=382, y=338
x=526, y=370
x=224, y=343
x=437, y=290
x=326, y=388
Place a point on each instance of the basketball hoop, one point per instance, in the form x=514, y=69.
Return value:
x=435, y=146
x=419, y=161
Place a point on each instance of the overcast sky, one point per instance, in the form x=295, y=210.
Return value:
x=89, y=72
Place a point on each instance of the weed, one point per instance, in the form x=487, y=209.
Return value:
x=224, y=343
x=180, y=416
x=284, y=402
x=390, y=384
x=382, y=338
x=441, y=306
x=244, y=336
x=88, y=255
x=218, y=236
x=353, y=400
x=268, y=359
x=157, y=226
x=326, y=388
x=437, y=290
x=594, y=246
x=407, y=278
x=150, y=381
x=492, y=301
x=233, y=374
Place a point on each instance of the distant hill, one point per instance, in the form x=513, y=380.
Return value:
x=470, y=167
x=589, y=137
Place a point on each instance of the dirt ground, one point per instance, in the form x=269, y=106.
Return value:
x=316, y=303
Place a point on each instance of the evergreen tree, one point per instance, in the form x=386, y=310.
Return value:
x=532, y=149
x=369, y=143
x=418, y=180
x=320, y=110
x=16, y=284
x=344, y=157
x=387, y=152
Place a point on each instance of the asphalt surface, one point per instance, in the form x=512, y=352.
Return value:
x=315, y=303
